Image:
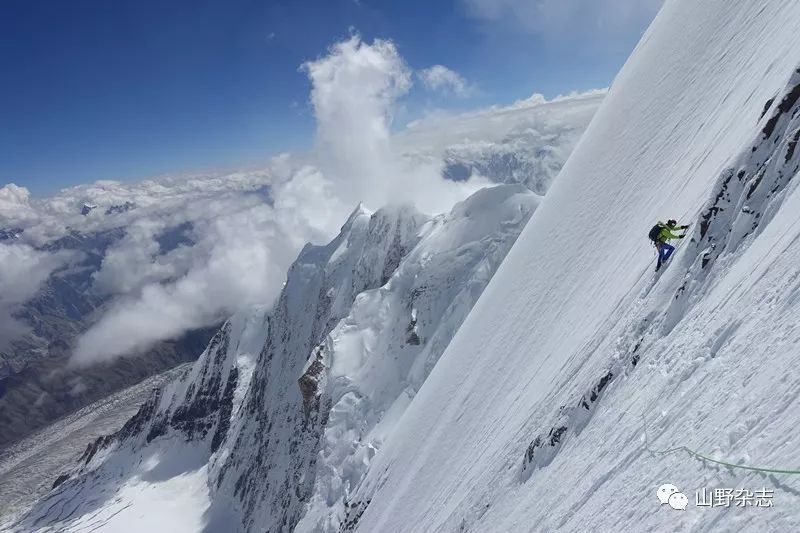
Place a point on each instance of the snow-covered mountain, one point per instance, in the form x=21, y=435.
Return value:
x=579, y=382
x=277, y=422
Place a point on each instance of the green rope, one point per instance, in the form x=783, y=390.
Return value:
x=702, y=457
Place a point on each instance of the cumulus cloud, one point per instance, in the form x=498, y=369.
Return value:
x=230, y=225
x=354, y=89
x=354, y=94
x=568, y=19
x=14, y=196
x=135, y=261
x=15, y=208
x=442, y=79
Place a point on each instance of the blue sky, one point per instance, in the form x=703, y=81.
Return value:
x=122, y=90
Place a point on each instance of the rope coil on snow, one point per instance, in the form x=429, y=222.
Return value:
x=702, y=457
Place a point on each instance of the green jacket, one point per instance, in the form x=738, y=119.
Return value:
x=666, y=233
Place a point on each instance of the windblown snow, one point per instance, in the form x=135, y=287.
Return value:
x=405, y=382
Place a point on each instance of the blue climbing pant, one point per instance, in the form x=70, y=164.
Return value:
x=664, y=252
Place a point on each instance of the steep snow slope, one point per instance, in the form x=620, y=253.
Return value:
x=284, y=409
x=533, y=417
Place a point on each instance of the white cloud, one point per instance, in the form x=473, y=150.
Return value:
x=354, y=93
x=241, y=248
x=23, y=272
x=15, y=208
x=13, y=195
x=354, y=89
x=568, y=19
x=240, y=261
x=134, y=261
x=442, y=79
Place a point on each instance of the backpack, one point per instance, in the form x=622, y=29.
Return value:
x=655, y=231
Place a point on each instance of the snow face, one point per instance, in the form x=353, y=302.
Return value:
x=534, y=416
x=168, y=486
x=280, y=415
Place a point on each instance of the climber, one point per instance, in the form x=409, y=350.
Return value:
x=660, y=234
